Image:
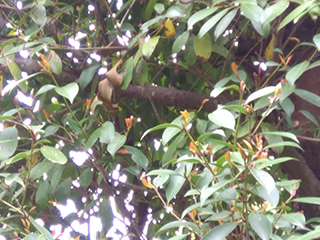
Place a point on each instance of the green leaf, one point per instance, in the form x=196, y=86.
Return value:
x=42, y=195
x=150, y=8
x=38, y=14
x=198, y=205
x=180, y=42
x=307, y=236
x=224, y=23
x=211, y=22
x=261, y=225
x=316, y=40
x=106, y=215
x=45, y=89
x=188, y=54
x=268, y=162
x=308, y=96
x=14, y=69
x=52, y=129
x=270, y=13
x=223, y=118
x=142, y=72
x=179, y=237
x=86, y=177
x=296, y=219
x=149, y=46
x=127, y=72
x=86, y=76
x=294, y=73
x=251, y=11
x=42, y=230
x=273, y=137
x=53, y=155
x=176, y=181
x=284, y=143
x=282, y=134
x=40, y=169
x=12, y=178
x=203, y=47
x=207, y=192
x=116, y=143
x=199, y=15
x=62, y=193
x=69, y=91
x=107, y=132
x=159, y=7
x=310, y=200
x=176, y=224
x=55, y=63
x=272, y=197
x=221, y=231
x=264, y=178
x=174, y=12
x=34, y=236
x=260, y=93
x=8, y=142
x=138, y=157
x=160, y=172
x=295, y=13
x=161, y=126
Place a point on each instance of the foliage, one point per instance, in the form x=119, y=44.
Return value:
x=198, y=174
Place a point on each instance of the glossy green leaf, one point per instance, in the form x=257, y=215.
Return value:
x=294, y=14
x=160, y=180
x=176, y=224
x=87, y=76
x=149, y=8
x=264, y=178
x=198, y=205
x=107, y=132
x=171, y=152
x=316, y=40
x=86, y=177
x=212, y=22
x=14, y=69
x=52, y=129
x=161, y=126
x=260, y=93
x=138, y=157
x=221, y=231
x=268, y=162
x=159, y=7
x=251, y=11
x=38, y=14
x=45, y=89
x=284, y=143
x=105, y=214
x=127, y=72
x=294, y=73
x=224, y=23
x=310, y=117
x=313, y=234
x=117, y=142
x=68, y=91
x=200, y=15
x=55, y=63
x=34, y=236
x=42, y=230
x=13, y=178
x=142, y=76
x=297, y=219
x=8, y=142
x=160, y=172
x=176, y=181
x=310, y=200
x=42, y=195
x=261, y=225
x=282, y=134
x=179, y=237
x=180, y=42
x=223, y=118
x=272, y=197
x=54, y=155
x=188, y=54
x=203, y=47
x=149, y=46
x=40, y=169
x=62, y=192
x=270, y=13
x=308, y=96
x=207, y=192
x=174, y=12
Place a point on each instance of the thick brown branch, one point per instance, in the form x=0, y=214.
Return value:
x=171, y=97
